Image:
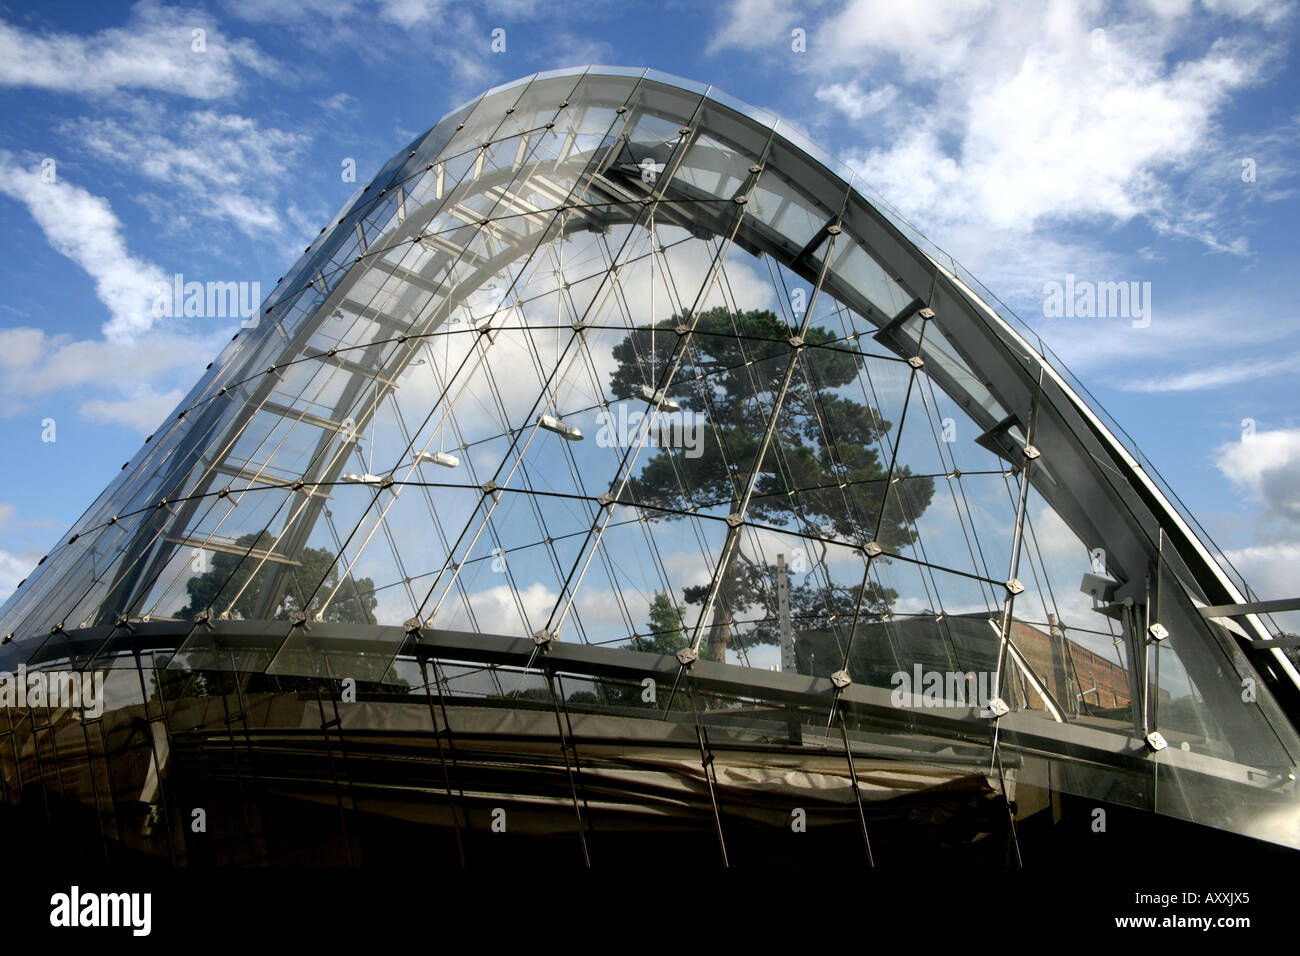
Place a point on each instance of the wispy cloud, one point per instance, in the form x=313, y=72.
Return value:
x=34, y=364
x=228, y=167
x=855, y=102
x=142, y=412
x=340, y=102
x=84, y=228
x=1184, y=348
x=754, y=24
x=1215, y=375
x=569, y=49
x=455, y=35
x=157, y=49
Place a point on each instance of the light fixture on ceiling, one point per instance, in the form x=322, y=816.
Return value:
x=446, y=459
x=553, y=424
x=658, y=399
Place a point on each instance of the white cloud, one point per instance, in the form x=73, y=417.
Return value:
x=927, y=36
x=851, y=100
x=33, y=365
x=1070, y=134
x=409, y=13
x=154, y=51
x=568, y=49
x=17, y=559
x=752, y=24
x=455, y=35
x=84, y=228
x=228, y=167
x=1055, y=540
x=403, y=13
x=1216, y=375
x=497, y=611
x=144, y=412
x=14, y=568
x=1023, y=116
x=1269, y=569
x=1268, y=465
x=1202, y=346
x=1170, y=8
x=339, y=102
x=275, y=11
x=1267, y=11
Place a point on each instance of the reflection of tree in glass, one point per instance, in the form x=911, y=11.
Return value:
x=823, y=474
x=354, y=603
x=664, y=633
x=666, y=629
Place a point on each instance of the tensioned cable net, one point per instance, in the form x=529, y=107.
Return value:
x=607, y=358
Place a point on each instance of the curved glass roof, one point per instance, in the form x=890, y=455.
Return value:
x=610, y=358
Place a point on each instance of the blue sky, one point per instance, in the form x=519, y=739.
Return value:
x=1151, y=142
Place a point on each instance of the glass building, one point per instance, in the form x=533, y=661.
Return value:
x=616, y=474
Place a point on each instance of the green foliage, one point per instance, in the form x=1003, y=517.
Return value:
x=822, y=475
x=534, y=693
x=667, y=630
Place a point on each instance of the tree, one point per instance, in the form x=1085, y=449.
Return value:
x=666, y=629
x=665, y=634
x=353, y=603
x=821, y=476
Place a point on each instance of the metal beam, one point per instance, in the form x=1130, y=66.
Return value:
x=1254, y=607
